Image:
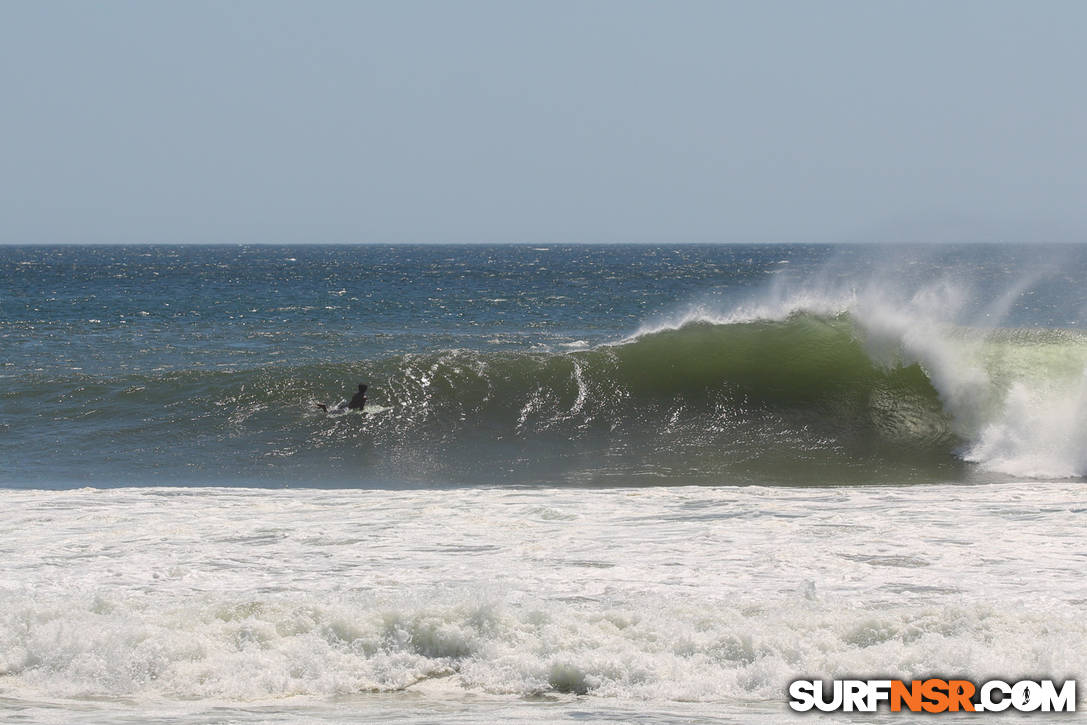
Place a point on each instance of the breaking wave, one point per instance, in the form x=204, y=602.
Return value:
x=808, y=391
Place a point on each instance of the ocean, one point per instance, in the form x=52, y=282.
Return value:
x=616, y=483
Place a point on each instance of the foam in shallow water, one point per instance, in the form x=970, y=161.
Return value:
x=718, y=596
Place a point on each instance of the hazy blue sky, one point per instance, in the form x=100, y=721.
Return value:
x=542, y=121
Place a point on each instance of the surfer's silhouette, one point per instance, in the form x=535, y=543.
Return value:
x=358, y=402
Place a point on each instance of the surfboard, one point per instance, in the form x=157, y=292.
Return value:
x=335, y=411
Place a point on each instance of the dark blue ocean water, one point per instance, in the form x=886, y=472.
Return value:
x=101, y=309
x=594, y=365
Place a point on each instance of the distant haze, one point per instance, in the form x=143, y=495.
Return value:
x=542, y=121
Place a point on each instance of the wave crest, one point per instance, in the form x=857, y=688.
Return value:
x=867, y=394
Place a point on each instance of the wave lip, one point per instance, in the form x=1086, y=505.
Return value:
x=1014, y=398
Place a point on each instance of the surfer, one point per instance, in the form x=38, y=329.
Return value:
x=357, y=402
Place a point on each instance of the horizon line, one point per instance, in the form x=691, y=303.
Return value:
x=538, y=244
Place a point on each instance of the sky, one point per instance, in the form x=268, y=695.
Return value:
x=520, y=121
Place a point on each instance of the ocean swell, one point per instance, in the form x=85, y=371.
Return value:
x=809, y=394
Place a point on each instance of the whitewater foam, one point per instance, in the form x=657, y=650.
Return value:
x=145, y=598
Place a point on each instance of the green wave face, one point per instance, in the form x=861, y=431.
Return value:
x=803, y=400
